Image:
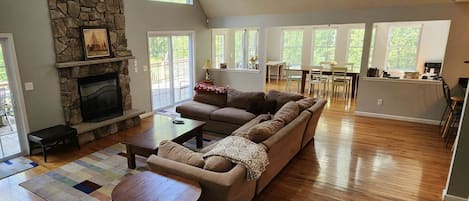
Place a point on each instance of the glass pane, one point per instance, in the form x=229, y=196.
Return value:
x=239, y=49
x=356, y=46
x=181, y=68
x=324, y=44
x=252, y=46
x=219, y=50
x=9, y=141
x=403, y=46
x=159, y=71
x=292, y=47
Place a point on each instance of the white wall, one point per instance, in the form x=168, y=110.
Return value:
x=145, y=16
x=434, y=37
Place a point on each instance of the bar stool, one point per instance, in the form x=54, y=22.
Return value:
x=454, y=108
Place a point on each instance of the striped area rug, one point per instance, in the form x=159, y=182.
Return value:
x=15, y=166
x=92, y=177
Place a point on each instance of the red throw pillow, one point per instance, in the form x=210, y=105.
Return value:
x=203, y=87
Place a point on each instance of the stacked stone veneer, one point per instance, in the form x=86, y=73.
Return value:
x=67, y=16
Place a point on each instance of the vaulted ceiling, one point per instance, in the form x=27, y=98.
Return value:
x=217, y=8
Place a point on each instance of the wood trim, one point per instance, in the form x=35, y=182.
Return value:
x=400, y=118
x=91, y=62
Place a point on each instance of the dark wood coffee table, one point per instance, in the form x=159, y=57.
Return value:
x=146, y=186
x=146, y=143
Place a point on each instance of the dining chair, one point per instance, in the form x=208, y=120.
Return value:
x=340, y=79
x=315, y=77
x=4, y=107
x=292, y=76
x=350, y=67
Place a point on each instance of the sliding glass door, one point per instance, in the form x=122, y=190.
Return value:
x=171, y=68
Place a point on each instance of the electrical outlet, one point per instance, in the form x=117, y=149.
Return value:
x=28, y=86
x=145, y=68
x=380, y=101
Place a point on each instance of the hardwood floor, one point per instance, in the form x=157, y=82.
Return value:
x=351, y=158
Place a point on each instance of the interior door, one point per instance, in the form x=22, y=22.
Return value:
x=171, y=68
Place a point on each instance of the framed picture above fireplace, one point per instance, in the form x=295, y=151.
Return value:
x=96, y=42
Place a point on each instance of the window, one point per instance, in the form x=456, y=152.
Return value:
x=403, y=48
x=355, y=46
x=292, y=46
x=372, y=48
x=252, y=43
x=239, y=49
x=189, y=2
x=324, y=43
x=219, y=49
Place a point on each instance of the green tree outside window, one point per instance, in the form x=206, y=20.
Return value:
x=292, y=47
x=324, y=44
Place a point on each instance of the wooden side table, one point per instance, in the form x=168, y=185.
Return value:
x=147, y=186
x=49, y=137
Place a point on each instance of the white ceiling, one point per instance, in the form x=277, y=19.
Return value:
x=217, y=8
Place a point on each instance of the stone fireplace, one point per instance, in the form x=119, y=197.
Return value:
x=67, y=16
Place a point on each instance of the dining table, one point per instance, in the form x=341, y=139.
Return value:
x=305, y=71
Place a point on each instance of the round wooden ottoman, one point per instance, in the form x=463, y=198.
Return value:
x=150, y=186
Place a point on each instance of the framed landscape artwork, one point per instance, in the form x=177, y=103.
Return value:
x=96, y=43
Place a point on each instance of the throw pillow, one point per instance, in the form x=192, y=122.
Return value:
x=239, y=99
x=176, y=152
x=204, y=87
x=264, y=130
x=241, y=131
x=262, y=107
x=218, y=164
x=306, y=103
x=282, y=97
x=288, y=112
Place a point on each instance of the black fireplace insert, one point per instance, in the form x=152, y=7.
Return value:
x=100, y=97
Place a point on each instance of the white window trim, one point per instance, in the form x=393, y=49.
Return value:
x=282, y=35
x=410, y=25
x=313, y=44
x=216, y=32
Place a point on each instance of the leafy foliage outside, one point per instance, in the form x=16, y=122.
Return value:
x=3, y=73
x=355, y=48
x=219, y=49
x=402, y=48
x=324, y=44
x=292, y=47
x=239, y=49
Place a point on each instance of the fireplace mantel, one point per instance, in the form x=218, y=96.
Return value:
x=91, y=62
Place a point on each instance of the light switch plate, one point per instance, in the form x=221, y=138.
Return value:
x=28, y=86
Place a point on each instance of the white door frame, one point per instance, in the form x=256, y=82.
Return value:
x=191, y=58
x=14, y=82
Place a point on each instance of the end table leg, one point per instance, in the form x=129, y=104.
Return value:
x=44, y=152
x=199, y=138
x=130, y=158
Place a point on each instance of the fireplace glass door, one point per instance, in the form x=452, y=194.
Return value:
x=171, y=68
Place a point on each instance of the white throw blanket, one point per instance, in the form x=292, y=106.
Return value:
x=242, y=151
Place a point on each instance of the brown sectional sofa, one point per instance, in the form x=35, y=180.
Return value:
x=233, y=185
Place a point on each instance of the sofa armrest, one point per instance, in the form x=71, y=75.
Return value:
x=200, y=175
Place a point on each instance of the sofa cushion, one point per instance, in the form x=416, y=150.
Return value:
x=196, y=109
x=218, y=164
x=232, y=115
x=262, y=131
x=259, y=119
x=262, y=107
x=306, y=103
x=176, y=152
x=239, y=99
x=211, y=98
x=282, y=97
x=288, y=112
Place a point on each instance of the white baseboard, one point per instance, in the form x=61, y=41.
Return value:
x=400, y=118
x=145, y=115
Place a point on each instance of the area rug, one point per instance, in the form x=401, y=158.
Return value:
x=92, y=177
x=15, y=166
